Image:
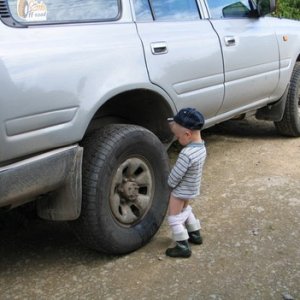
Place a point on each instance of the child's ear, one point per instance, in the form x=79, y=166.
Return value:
x=189, y=133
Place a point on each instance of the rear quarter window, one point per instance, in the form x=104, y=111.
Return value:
x=58, y=11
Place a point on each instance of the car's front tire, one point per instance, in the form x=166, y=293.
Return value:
x=125, y=192
x=290, y=123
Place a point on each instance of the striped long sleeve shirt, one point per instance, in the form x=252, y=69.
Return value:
x=185, y=176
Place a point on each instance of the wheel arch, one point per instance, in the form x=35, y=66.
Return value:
x=142, y=107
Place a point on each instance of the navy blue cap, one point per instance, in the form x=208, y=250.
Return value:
x=189, y=118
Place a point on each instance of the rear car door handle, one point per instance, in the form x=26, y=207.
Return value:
x=159, y=48
x=229, y=41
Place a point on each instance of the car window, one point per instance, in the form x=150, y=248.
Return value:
x=142, y=10
x=175, y=10
x=220, y=9
x=63, y=10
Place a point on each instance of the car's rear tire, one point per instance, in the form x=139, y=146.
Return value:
x=290, y=123
x=125, y=192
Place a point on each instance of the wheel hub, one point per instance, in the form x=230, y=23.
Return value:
x=129, y=190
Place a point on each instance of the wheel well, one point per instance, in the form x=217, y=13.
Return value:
x=140, y=107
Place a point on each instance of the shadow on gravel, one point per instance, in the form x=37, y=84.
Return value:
x=30, y=239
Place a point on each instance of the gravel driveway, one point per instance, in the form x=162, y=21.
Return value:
x=250, y=212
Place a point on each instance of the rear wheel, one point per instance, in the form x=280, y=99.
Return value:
x=125, y=192
x=290, y=123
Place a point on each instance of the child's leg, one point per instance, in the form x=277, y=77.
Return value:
x=176, y=205
x=176, y=220
x=193, y=226
x=191, y=220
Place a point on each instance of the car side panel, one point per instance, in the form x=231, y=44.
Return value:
x=191, y=69
x=54, y=78
x=251, y=61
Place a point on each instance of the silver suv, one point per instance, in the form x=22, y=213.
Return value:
x=87, y=86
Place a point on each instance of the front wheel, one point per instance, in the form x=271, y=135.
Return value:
x=290, y=123
x=125, y=192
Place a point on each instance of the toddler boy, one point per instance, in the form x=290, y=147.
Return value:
x=185, y=179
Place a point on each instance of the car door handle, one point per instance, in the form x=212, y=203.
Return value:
x=159, y=48
x=229, y=41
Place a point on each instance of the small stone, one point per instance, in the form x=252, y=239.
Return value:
x=287, y=296
x=260, y=209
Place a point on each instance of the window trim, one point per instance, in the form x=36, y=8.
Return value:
x=152, y=10
x=12, y=22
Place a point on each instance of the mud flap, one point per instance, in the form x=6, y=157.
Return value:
x=64, y=203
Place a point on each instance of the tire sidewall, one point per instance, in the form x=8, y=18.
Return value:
x=293, y=97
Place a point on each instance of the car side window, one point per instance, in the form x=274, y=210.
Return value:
x=56, y=11
x=142, y=10
x=175, y=10
x=220, y=9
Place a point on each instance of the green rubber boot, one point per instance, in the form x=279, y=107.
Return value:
x=195, y=237
x=182, y=249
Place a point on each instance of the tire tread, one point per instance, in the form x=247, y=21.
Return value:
x=290, y=123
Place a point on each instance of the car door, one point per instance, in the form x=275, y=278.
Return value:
x=251, y=55
x=182, y=53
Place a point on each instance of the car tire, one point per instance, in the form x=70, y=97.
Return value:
x=125, y=191
x=290, y=123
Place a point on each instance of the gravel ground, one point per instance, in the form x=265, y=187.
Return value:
x=250, y=212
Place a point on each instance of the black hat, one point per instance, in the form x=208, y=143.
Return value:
x=189, y=118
